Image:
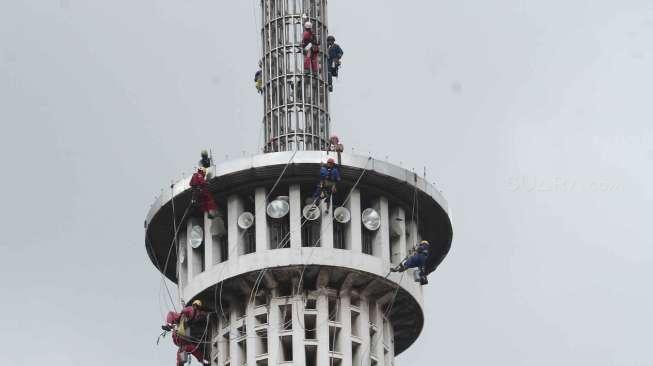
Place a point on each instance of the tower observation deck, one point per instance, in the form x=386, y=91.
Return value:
x=287, y=284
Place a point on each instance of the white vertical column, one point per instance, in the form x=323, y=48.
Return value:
x=378, y=342
x=251, y=340
x=413, y=238
x=322, y=325
x=234, y=351
x=235, y=208
x=383, y=236
x=209, y=255
x=295, y=216
x=326, y=229
x=345, y=332
x=192, y=256
x=262, y=242
x=400, y=220
x=365, y=332
x=273, y=333
x=298, y=352
x=355, y=223
x=183, y=267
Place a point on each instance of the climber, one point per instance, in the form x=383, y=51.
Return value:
x=329, y=177
x=311, y=48
x=205, y=161
x=180, y=324
x=258, y=78
x=336, y=146
x=200, y=192
x=334, y=54
x=416, y=260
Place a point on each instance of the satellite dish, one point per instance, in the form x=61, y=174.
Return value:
x=196, y=236
x=217, y=227
x=182, y=255
x=278, y=209
x=371, y=219
x=342, y=215
x=311, y=212
x=245, y=220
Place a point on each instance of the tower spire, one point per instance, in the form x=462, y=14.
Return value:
x=296, y=96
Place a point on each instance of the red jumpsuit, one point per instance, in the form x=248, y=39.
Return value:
x=310, y=60
x=206, y=200
x=186, y=345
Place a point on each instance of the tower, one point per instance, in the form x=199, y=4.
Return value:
x=289, y=283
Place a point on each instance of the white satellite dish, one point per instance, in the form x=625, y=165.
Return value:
x=245, y=220
x=278, y=209
x=311, y=212
x=196, y=236
x=217, y=227
x=342, y=215
x=371, y=219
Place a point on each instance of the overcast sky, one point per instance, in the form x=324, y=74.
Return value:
x=534, y=117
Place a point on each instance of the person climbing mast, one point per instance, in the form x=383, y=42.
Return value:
x=329, y=177
x=180, y=324
x=334, y=54
x=416, y=260
x=258, y=78
x=311, y=48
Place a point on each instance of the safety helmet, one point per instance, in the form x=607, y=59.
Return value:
x=331, y=161
x=204, y=153
x=331, y=39
x=424, y=242
x=308, y=25
x=334, y=139
x=197, y=303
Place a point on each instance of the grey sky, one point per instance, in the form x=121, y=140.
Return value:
x=534, y=117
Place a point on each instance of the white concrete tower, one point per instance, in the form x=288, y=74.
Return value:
x=289, y=286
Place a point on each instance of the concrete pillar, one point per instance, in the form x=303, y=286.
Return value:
x=398, y=222
x=383, y=236
x=261, y=218
x=234, y=208
x=378, y=342
x=413, y=237
x=345, y=331
x=298, y=353
x=296, y=206
x=365, y=332
x=273, y=333
x=322, y=325
x=250, y=324
x=209, y=255
x=326, y=230
x=193, y=255
x=233, y=336
x=354, y=206
x=183, y=267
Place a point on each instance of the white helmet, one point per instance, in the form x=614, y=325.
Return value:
x=308, y=25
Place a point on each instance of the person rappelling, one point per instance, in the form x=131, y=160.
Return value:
x=201, y=194
x=180, y=324
x=311, y=49
x=334, y=54
x=416, y=260
x=329, y=177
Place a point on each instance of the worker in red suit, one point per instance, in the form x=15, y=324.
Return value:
x=201, y=193
x=179, y=324
x=311, y=48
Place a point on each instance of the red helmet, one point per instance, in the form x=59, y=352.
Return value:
x=331, y=161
